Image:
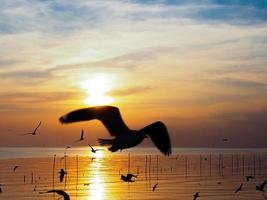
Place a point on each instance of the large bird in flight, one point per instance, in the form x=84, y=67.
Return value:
x=123, y=136
x=59, y=192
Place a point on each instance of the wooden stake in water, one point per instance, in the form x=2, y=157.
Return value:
x=129, y=163
x=32, y=179
x=146, y=168
x=77, y=171
x=237, y=163
x=243, y=164
x=157, y=168
x=200, y=165
x=186, y=165
x=232, y=164
x=65, y=167
x=54, y=164
x=210, y=164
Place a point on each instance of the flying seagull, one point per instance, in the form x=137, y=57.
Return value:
x=15, y=167
x=62, y=173
x=128, y=178
x=249, y=177
x=124, y=137
x=34, y=132
x=93, y=150
x=59, y=192
x=261, y=186
x=239, y=188
x=196, y=195
x=154, y=187
x=81, y=138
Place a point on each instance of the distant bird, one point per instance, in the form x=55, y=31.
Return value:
x=225, y=139
x=261, y=186
x=67, y=147
x=15, y=168
x=59, y=192
x=239, y=188
x=86, y=184
x=93, y=158
x=249, y=177
x=62, y=173
x=196, y=195
x=219, y=183
x=93, y=150
x=124, y=137
x=154, y=187
x=128, y=178
x=81, y=138
x=34, y=132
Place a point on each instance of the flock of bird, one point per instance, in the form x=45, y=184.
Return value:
x=123, y=138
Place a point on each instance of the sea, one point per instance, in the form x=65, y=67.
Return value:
x=214, y=174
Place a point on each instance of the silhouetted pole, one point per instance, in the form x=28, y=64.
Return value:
x=77, y=171
x=65, y=166
x=232, y=164
x=200, y=165
x=146, y=168
x=222, y=164
x=149, y=168
x=32, y=179
x=243, y=164
x=254, y=164
x=237, y=163
x=24, y=179
x=157, y=168
x=54, y=163
x=129, y=163
x=186, y=165
x=210, y=164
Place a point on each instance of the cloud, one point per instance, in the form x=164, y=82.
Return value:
x=129, y=91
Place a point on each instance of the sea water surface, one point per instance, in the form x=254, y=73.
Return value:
x=214, y=173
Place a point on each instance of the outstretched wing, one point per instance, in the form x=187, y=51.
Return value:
x=37, y=126
x=159, y=135
x=263, y=185
x=108, y=115
x=60, y=192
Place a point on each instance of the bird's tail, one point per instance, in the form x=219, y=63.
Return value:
x=104, y=142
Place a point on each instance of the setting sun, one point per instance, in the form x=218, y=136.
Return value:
x=96, y=88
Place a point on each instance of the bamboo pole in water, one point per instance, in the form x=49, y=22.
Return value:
x=32, y=179
x=54, y=163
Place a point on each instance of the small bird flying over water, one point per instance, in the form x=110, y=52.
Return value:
x=239, y=188
x=15, y=167
x=123, y=136
x=154, y=187
x=62, y=173
x=128, y=178
x=249, y=177
x=59, y=192
x=34, y=132
x=196, y=195
x=81, y=138
x=261, y=186
x=93, y=150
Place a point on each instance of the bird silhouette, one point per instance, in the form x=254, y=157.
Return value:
x=62, y=173
x=128, y=177
x=154, y=187
x=196, y=195
x=225, y=139
x=34, y=132
x=59, y=192
x=261, y=186
x=93, y=150
x=81, y=138
x=249, y=177
x=124, y=137
x=15, y=168
x=239, y=188
x=86, y=184
x=67, y=147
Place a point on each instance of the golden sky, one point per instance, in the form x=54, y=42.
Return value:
x=199, y=68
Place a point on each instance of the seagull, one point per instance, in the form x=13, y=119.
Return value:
x=81, y=138
x=249, y=177
x=34, y=132
x=261, y=186
x=62, y=173
x=67, y=147
x=16, y=167
x=154, y=187
x=196, y=195
x=124, y=137
x=93, y=150
x=128, y=177
x=59, y=192
x=239, y=188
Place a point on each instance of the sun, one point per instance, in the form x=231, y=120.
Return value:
x=96, y=89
